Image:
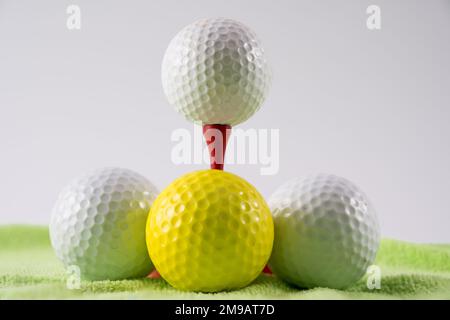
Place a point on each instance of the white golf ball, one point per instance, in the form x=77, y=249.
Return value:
x=215, y=72
x=326, y=232
x=97, y=226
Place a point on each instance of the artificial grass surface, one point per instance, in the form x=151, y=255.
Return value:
x=30, y=270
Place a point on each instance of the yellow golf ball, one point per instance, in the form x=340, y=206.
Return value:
x=209, y=231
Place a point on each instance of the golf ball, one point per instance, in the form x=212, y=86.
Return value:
x=209, y=231
x=215, y=72
x=98, y=224
x=326, y=232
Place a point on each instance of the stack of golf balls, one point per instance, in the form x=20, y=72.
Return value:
x=211, y=230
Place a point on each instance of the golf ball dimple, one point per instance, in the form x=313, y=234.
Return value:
x=209, y=231
x=98, y=224
x=215, y=72
x=326, y=232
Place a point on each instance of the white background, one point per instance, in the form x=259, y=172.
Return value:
x=373, y=106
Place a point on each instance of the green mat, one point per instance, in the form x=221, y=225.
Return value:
x=30, y=270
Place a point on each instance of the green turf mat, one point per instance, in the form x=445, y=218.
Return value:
x=30, y=270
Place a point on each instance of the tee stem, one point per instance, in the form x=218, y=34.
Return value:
x=216, y=136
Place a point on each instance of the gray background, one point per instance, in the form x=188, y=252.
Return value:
x=373, y=106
